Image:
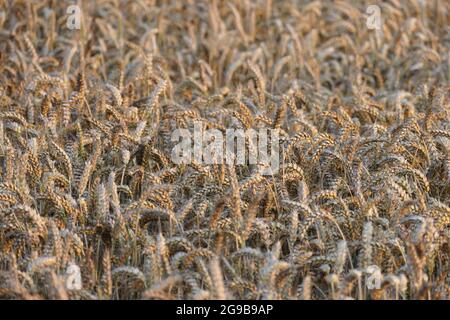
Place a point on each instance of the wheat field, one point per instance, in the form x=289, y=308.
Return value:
x=93, y=207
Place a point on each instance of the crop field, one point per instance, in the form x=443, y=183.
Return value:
x=114, y=183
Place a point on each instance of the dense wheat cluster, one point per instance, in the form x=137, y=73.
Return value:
x=88, y=187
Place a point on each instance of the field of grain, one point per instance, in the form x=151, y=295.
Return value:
x=93, y=207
